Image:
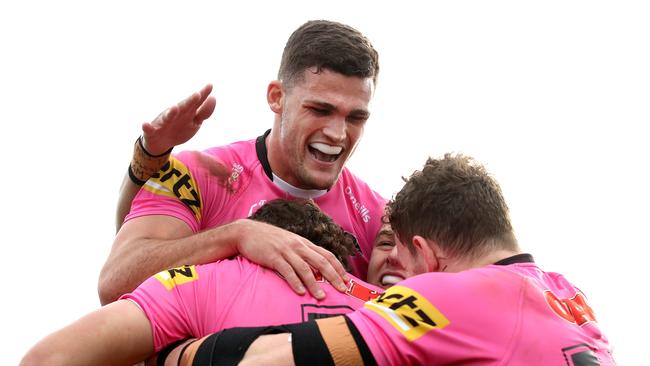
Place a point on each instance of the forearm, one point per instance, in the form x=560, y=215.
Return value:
x=117, y=334
x=324, y=342
x=134, y=259
x=144, y=164
x=128, y=190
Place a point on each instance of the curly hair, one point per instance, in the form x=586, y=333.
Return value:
x=304, y=218
x=328, y=45
x=455, y=202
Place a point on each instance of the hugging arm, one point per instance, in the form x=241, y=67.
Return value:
x=323, y=342
x=117, y=334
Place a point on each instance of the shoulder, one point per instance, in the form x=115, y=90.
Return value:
x=350, y=181
x=220, y=161
x=241, y=150
x=455, y=291
x=359, y=196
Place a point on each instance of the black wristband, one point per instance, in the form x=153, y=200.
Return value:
x=366, y=355
x=150, y=154
x=180, y=355
x=308, y=346
x=135, y=179
x=162, y=355
x=227, y=348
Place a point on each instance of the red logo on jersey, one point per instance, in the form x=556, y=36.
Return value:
x=575, y=310
x=360, y=291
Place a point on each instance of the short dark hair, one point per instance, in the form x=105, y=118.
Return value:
x=328, y=45
x=304, y=218
x=455, y=202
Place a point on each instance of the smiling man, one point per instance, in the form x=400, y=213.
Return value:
x=193, y=210
x=388, y=265
x=321, y=119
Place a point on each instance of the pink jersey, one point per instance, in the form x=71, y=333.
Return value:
x=496, y=315
x=194, y=301
x=192, y=188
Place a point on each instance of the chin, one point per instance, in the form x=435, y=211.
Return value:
x=322, y=185
x=319, y=181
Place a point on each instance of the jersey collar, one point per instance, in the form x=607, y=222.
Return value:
x=517, y=258
x=262, y=156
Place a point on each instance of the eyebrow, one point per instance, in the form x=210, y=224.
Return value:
x=324, y=105
x=332, y=107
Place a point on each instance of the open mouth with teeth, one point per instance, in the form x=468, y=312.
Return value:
x=325, y=153
x=390, y=280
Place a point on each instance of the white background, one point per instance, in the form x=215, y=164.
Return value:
x=553, y=96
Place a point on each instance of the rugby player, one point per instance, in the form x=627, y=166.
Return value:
x=186, y=214
x=482, y=301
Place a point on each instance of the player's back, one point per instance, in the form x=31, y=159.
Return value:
x=557, y=323
x=193, y=301
x=247, y=294
x=496, y=315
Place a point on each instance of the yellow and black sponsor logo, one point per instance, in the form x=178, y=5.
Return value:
x=175, y=180
x=408, y=311
x=177, y=276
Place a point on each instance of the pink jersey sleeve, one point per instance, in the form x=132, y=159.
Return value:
x=180, y=188
x=171, y=300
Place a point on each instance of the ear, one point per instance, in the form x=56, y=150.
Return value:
x=428, y=250
x=275, y=96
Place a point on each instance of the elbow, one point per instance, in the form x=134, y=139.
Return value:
x=107, y=288
x=39, y=357
x=30, y=359
x=113, y=277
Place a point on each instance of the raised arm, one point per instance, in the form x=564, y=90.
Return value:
x=117, y=334
x=174, y=126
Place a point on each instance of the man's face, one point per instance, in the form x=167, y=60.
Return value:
x=322, y=120
x=390, y=261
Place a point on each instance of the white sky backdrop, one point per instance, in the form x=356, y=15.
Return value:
x=552, y=96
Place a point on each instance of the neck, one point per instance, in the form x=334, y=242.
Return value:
x=272, y=152
x=492, y=257
x=267, y=153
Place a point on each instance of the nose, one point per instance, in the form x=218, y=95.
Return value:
x=336, y=129
x=393, y=258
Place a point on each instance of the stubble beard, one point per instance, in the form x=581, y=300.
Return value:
x=308, y=181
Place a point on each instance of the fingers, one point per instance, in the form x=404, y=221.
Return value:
x=205, y=92
x=330, y=267
x=196, y=99
x=286, y=271
x=147, y=129
x=305, y=274
x=170, y=114
x=205, y=110
x=190, y=102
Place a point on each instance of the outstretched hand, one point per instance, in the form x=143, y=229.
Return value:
x=179, y=123
x=291, y=255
